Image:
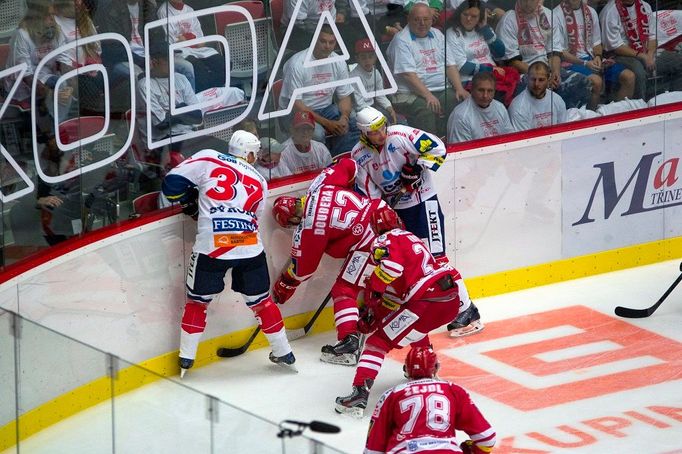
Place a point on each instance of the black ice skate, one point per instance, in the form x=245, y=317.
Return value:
x=185, y=364
x=355, y=403
x=466, y=323
x=287, y=360
x=345, y=352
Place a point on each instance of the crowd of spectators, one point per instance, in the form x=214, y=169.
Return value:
x=462, y=69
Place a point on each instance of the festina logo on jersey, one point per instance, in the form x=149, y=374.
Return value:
x=232, y=225
x=647, y=194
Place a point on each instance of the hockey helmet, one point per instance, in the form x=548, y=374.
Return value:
x=285, y=211
x=384, y=219
x=370, y=119
x=421, y=362
x=242, y=143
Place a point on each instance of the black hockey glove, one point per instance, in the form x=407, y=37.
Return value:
x=411, y=177
x=190, y=203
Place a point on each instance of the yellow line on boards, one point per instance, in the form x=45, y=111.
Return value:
x=135, y=376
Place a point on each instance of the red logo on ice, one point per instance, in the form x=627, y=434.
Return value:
x=555, y=357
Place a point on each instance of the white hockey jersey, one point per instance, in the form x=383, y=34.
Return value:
x=231, y=195
x=379, y=170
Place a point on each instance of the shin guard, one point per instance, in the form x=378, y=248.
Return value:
x=270, y=320
x=370, y=361
x=192, y=327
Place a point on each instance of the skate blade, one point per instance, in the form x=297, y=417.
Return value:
x=183, y=372
x=346, y=359
x=288, y=367
x=472, y=328
x=354, y=412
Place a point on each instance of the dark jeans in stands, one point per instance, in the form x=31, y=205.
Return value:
x=337, y=144
x=208, y=72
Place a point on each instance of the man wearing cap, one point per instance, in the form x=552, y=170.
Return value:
x=301, y=153
x=371, y=79
x=330, y=107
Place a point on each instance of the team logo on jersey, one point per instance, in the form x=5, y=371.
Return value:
x=424, y=143
x=391, y=148
x=358, y=229
x=232, y=225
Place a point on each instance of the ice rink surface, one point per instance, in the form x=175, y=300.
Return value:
x=554, y=371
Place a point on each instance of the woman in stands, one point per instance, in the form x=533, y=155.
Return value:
x=37, y=35
x=472, y=46
x=75, y=23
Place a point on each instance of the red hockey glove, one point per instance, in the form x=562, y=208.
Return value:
x=366, y=321
x=411, y=177
x=284, y=288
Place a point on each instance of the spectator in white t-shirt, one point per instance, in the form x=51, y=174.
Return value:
x=578, y=27
x=331, y=107
x=528, y=36
x=417, y=58
x=300, y=153
x=208, y=64
x=537, y=106
x=371, y=79
x=629, y=35
x=480, y=115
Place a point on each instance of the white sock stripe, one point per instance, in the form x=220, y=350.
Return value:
x=370, y=359
x=367, y=365
x=350, y=318
x=350, y=310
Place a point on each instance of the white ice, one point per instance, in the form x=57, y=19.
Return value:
x=608, y=423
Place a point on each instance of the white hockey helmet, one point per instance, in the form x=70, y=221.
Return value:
x=370, y=119
x=242, y=143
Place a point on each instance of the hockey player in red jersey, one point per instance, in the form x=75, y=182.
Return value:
x=226, y=194
x=397, y=162
x=335, y=221
x=406, y=296
x=423, y=414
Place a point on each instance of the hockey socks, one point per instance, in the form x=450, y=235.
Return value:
x=192, y=327
x=270, y=320
x=369, y=364
x=345, y=316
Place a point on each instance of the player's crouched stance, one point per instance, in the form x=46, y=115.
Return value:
x=407, y=296
x=436, y=409
x=226, y=195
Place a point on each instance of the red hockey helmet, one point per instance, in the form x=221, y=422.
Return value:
x=421, y=362
x=285, y=212
x=384, y=219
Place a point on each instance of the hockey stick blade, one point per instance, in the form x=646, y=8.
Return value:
x=627, y=312
x=224, y=352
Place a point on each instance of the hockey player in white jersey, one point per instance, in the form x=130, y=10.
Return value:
x=227, y=196
x=396, y=162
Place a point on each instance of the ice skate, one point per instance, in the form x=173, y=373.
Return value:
x=466, y=323
x=355, y=403
x=287, y=360
x=185, y=365
x=345, y=352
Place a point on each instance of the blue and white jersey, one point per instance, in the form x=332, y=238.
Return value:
x=379, y=170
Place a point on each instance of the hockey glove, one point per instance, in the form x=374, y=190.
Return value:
x=190, y=203
x=367, y=321
x=469, y=447
x=411, y=177
x=284, y=288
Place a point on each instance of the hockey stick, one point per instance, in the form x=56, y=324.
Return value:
x=641, y=313
x=225, y=352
